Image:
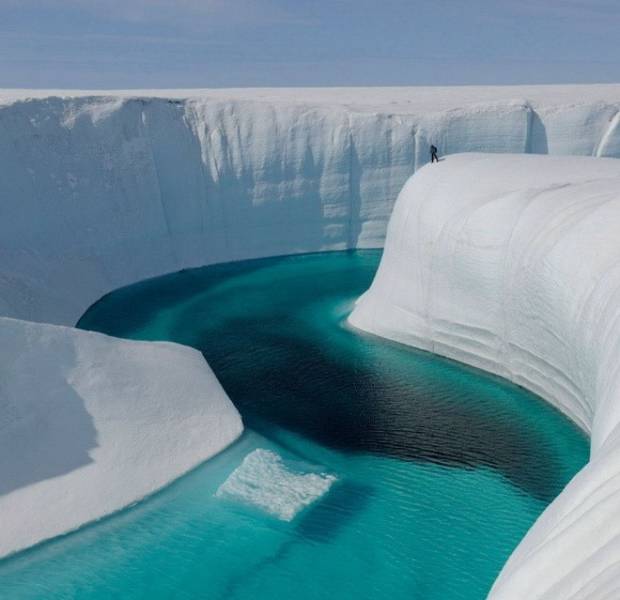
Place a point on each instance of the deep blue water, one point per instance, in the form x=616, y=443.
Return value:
x=441, y=468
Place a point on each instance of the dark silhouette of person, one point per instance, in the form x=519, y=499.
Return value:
x=434, y=154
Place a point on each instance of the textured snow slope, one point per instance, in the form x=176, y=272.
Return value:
x=512, y=264
x=98, y=191
x=90, y=423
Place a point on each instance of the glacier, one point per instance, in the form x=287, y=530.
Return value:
x=512, y=264
x=102, y=189
x=99, y=191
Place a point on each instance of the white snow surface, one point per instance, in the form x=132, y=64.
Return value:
x=91, y=423
x=102, y=189
x=265, y=481
x=512, y=264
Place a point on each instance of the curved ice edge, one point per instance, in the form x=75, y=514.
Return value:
x=520, y=256
x=91, y=424
x=266, y=481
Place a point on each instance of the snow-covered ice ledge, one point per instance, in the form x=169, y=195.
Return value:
x=102, y=189
x=512, y=264
x=91, y=423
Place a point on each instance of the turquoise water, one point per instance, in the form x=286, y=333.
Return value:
x=441, y=468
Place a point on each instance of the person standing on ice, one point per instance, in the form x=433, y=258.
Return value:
x=434, y=154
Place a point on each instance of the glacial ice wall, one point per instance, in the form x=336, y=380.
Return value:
x=98, y=191
x=512, y=264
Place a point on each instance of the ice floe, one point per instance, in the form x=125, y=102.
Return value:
x=264, y=480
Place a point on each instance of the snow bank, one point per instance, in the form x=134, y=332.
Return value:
x=512, y=264
x=90, y=423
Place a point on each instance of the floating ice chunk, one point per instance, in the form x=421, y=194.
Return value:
x=264, y=480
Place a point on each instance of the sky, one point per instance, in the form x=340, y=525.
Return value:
x=125, y=44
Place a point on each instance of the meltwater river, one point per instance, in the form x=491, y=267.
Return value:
x=437, y=470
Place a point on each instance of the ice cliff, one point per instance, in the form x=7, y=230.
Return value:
x=512, y=264
x=99, y=190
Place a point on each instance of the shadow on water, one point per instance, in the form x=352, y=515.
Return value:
x=323, y=394
x=365, y=409
x=324, y=520
x=320, y=523
x=355, y=394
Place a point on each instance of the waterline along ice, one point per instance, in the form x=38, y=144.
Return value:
x=101, y=191
x=367, y=469
x=497, y=262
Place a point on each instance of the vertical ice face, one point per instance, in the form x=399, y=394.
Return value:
x=610, y=141
x=290, y=191
x=501, y=127
x=100, y=191
x=512, y=264
x=588, y=125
